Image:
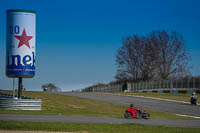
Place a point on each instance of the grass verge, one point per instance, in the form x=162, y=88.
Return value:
x=92, y=128
x=55, y=104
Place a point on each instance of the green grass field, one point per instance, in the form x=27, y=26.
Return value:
x=55, y=104
x=178, y=97
x=92, y=128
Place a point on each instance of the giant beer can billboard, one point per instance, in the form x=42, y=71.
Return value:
x=20, y=43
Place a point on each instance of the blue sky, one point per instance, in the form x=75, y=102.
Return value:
x=77, y=40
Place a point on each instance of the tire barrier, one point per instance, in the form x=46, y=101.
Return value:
x=8, y=102
x=170, y=91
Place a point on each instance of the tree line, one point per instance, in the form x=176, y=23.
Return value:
x=50, y=88
x=157, y=55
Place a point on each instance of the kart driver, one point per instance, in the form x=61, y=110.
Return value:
x=194, y=98
x=134, y=110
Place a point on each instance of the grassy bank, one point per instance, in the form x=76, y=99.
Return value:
x=92, y=128
x=178, y=97
x=55, y=104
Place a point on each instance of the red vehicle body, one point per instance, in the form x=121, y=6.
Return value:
x=135, y=112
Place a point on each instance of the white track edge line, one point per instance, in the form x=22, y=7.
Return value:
x=189, y=116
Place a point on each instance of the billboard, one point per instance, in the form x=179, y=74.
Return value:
x=20, y=43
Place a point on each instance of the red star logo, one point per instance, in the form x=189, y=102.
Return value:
x=23, y=39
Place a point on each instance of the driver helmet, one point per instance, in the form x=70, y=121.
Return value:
x=132, y=105
x=193, y=93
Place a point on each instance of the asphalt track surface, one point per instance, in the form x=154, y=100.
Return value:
x=108, y=120
x=172, y=107
x=147, y=103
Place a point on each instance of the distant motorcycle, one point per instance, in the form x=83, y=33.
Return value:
x=193, y=99
x=136, y=112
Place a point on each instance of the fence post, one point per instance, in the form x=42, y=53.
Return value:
x=133, y=86
x=136, y=87
x=193, y=82
x=160, y=85
x=140, y=85
x=182, y=83
x=199, y=82
x=146, y=84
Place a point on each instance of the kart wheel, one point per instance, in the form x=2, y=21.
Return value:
x=128, y=115
x=146, y=115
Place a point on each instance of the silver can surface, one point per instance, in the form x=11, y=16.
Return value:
x=20, y=43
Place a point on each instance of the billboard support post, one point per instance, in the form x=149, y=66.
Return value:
x=19, y=87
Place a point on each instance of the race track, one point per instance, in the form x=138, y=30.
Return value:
x=108, y=120
x=159, y=105
x=152, y=104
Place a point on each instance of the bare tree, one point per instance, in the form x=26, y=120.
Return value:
x=171, y=54
x=159, y=55
x=127, y=59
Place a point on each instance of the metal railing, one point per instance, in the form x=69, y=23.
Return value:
x=188, y=84
x=8, y=102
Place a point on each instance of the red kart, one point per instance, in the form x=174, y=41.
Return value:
x=135, y=112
